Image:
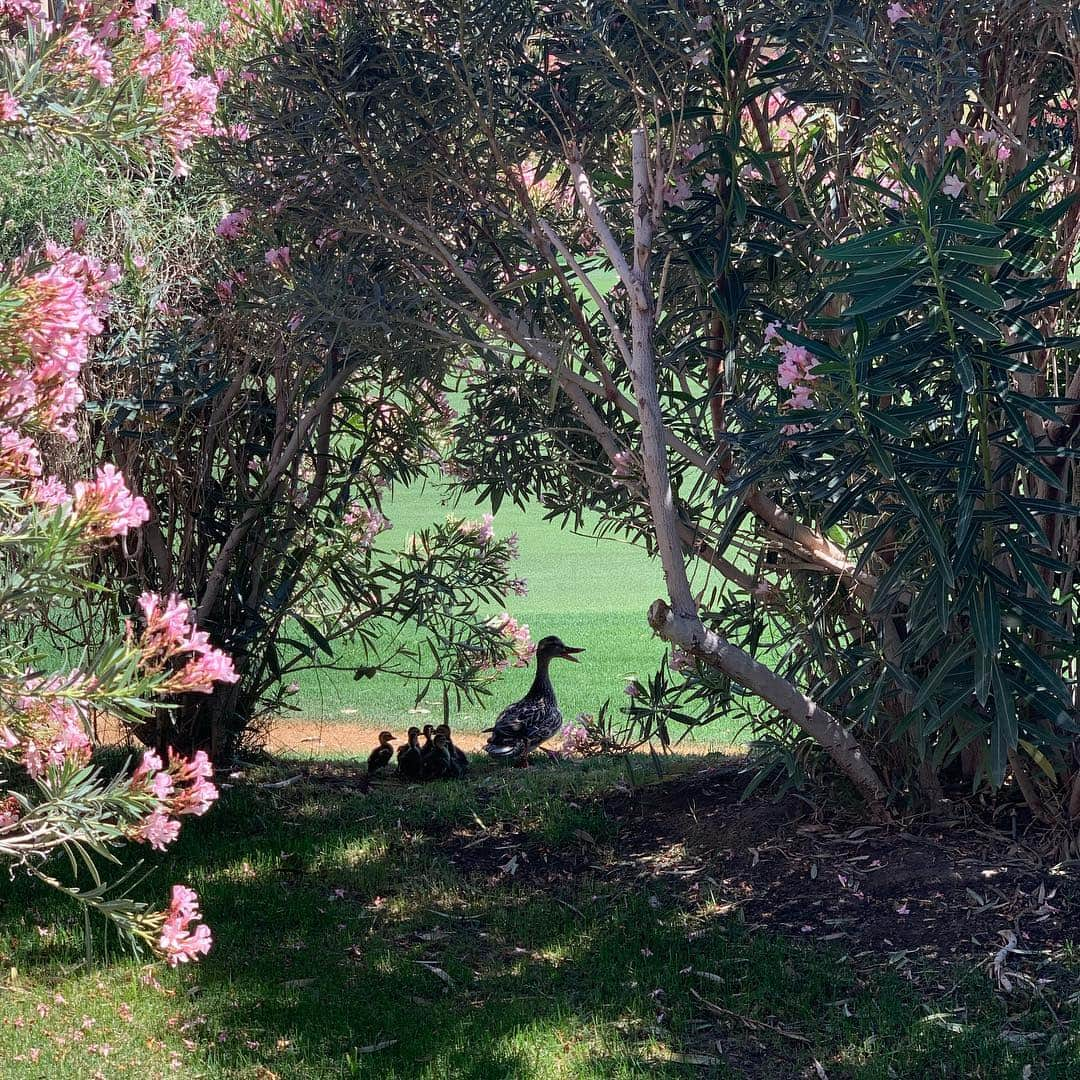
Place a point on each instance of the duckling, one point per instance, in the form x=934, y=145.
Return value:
x=409, y=764
x=380, y=757
x=443, y=766
x=426, y=751
x=460, y=758
x=523, y=726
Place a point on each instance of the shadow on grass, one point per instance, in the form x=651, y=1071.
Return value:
x=348, y=944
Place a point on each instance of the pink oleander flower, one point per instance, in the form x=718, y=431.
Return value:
x=169, y=628
x=955, y=141
x=676, y=189
x=896, y=12
x=108, y=505
x=788, y=373
x=19, y=456
x=518, y=633
x=711, y=183
x=278, y=258
x=198, y=675
x=681, y=660
x=701, y=57
x=633, y=689
x=10, y=109
x=148, y=765
x=58, y=312
x=185, y=787
x=232, y=225
x=1003, y=152
x=57, y=733
x=83, y=54
x=368, y=522
x=482, y=532
x=18, y=11
x=179, y=943
x=801, y=397
x=772, y=332
x=574, y=735
x=953, y=186
x=158, y=830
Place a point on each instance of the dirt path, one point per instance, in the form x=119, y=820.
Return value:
x=316, y=737
x=319, y=738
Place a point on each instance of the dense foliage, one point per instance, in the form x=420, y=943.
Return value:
x=814, y=344
x=53, y=303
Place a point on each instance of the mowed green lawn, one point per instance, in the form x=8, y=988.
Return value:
x=355, y=936
x=592, y=593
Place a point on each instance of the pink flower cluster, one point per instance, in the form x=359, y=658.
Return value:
x=47, y=340
x=574, y=736
x=991, y=139
x=10, y=109
x=232, y=225
x=278, y=258
x=368, y=523
x=166, y=62
x=179, y=943
x=184, y=787
x=481, y=532
x=57, y=732
x=251, y=17
x=86, y=54
x=795, y=372
x=518, y=633
x=16, y=12
x=105, y=503
x=170, y=635
x=113, y=42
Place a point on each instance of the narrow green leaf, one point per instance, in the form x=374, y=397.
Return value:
x=975, y=292
x=1005, y=731
x=976, y=254
x=929, y=526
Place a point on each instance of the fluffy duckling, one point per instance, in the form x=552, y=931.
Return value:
x=442, y=764
x=427, y=750
x=380, y=757
x=459, y=757
x=409, y=763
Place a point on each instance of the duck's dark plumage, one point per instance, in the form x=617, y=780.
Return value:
x=458, y=757
x=527, y=723
x=410, y=766
x=381, y=756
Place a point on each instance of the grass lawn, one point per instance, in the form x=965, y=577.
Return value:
x=365, y=936
x=593, y=594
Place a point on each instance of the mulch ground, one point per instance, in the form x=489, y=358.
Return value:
x=913, y=894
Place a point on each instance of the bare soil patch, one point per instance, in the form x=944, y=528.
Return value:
x=921, y=891
x=317, y=738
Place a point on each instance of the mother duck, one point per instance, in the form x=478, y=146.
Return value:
x=527, y=723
